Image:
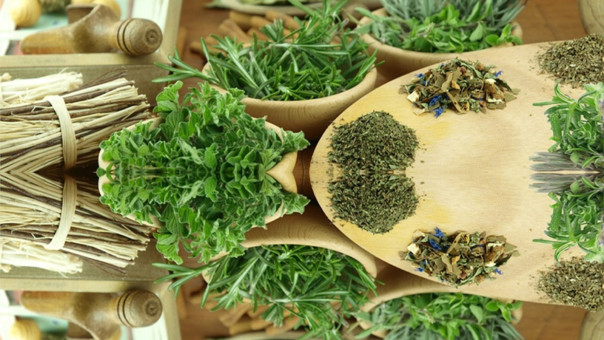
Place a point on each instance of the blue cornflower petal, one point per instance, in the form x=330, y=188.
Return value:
x=438, y=233
x=420, y=269
x=420, y=75
x=498, y=73
x=438, y=111
x=498, y=271
x=435, y=245
x=434, y=100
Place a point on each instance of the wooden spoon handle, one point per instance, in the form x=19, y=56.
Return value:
x=135, y=37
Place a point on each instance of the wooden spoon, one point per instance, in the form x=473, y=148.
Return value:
x=96, y=29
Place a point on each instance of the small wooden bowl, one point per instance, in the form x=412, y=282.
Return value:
x=399, y=283
x=282, y=172
x=311, y=116
x=397, y=62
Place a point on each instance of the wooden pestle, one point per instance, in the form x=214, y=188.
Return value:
x=100, y=314
x=95, y=29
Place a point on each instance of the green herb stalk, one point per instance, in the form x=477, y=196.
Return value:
x=320, y=59
x=439, y=26
x=442, y=316
x=320, y=286
x=578, y=150
x=201, y=172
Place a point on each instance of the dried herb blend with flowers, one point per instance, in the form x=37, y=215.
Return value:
x=459, y=85
x=459, y=258
x=576, y=62
x=575, y=283
x=372, y=190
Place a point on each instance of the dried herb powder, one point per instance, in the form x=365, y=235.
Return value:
x=372, y=190
x=459, y=258
x=575, y=283
x=461, y=86
x=576, y=62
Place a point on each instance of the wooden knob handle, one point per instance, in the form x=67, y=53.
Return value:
x=137, y=37
x=138, y=308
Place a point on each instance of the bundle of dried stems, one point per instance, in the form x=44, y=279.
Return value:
x=30, y=133
x=30, y=211
x=32, y=139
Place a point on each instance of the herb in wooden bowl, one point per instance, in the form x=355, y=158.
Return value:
x=572, y=172
x=299, y=79
x=318, y=286
x=202, y=172
x=411, y=34
x=442, y=316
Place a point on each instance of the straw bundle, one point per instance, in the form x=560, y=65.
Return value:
x=46, y=123
x=33, y=136
x=32, y=207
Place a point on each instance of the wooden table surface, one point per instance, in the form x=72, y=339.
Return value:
x=541, y=21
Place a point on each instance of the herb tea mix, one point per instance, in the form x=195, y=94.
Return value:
x=460, y=85
x=373, y=153
x=459, y=258
x=576, y=283
x=576, y=62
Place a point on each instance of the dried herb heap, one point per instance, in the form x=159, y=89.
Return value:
x=572, y=172
x=459, y=258
x=442, y=316
x=460, y=85
x=576, y=62
x=575, y=283
x=319, y=287
x=373, y=153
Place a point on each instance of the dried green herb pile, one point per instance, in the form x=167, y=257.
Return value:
x=576, y=283
x=576, y=62
x=373, y=153
x=459, y=85
x=443, y=316
x=459, y=258
x=320, y=286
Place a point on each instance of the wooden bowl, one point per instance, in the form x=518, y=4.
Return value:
x=397, y=62
x=311, y=116
x=282, y=172
x=592, y=15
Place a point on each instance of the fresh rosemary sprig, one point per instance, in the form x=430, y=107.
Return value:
x=319, y=59
x=440, y=26
x=437, y=316
x=319, y=286
x=202, y=172
x=573, y=172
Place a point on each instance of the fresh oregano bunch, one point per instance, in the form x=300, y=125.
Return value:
x=201, y=172
x=320, y=59
x=447, y=27
x=578, y=135
x=320, y=286
x=442, y=316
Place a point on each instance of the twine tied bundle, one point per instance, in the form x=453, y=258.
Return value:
x=62, y=219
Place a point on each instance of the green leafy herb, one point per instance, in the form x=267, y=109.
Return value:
x=319, y=59
x=320, y=286
x=372, y=190
x=460, y=85
x=202, y=172
x=459, y=258
x=573, y=172
x=440, y=26
x=442, y=316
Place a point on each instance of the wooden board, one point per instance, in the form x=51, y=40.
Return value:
x=471, y=171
